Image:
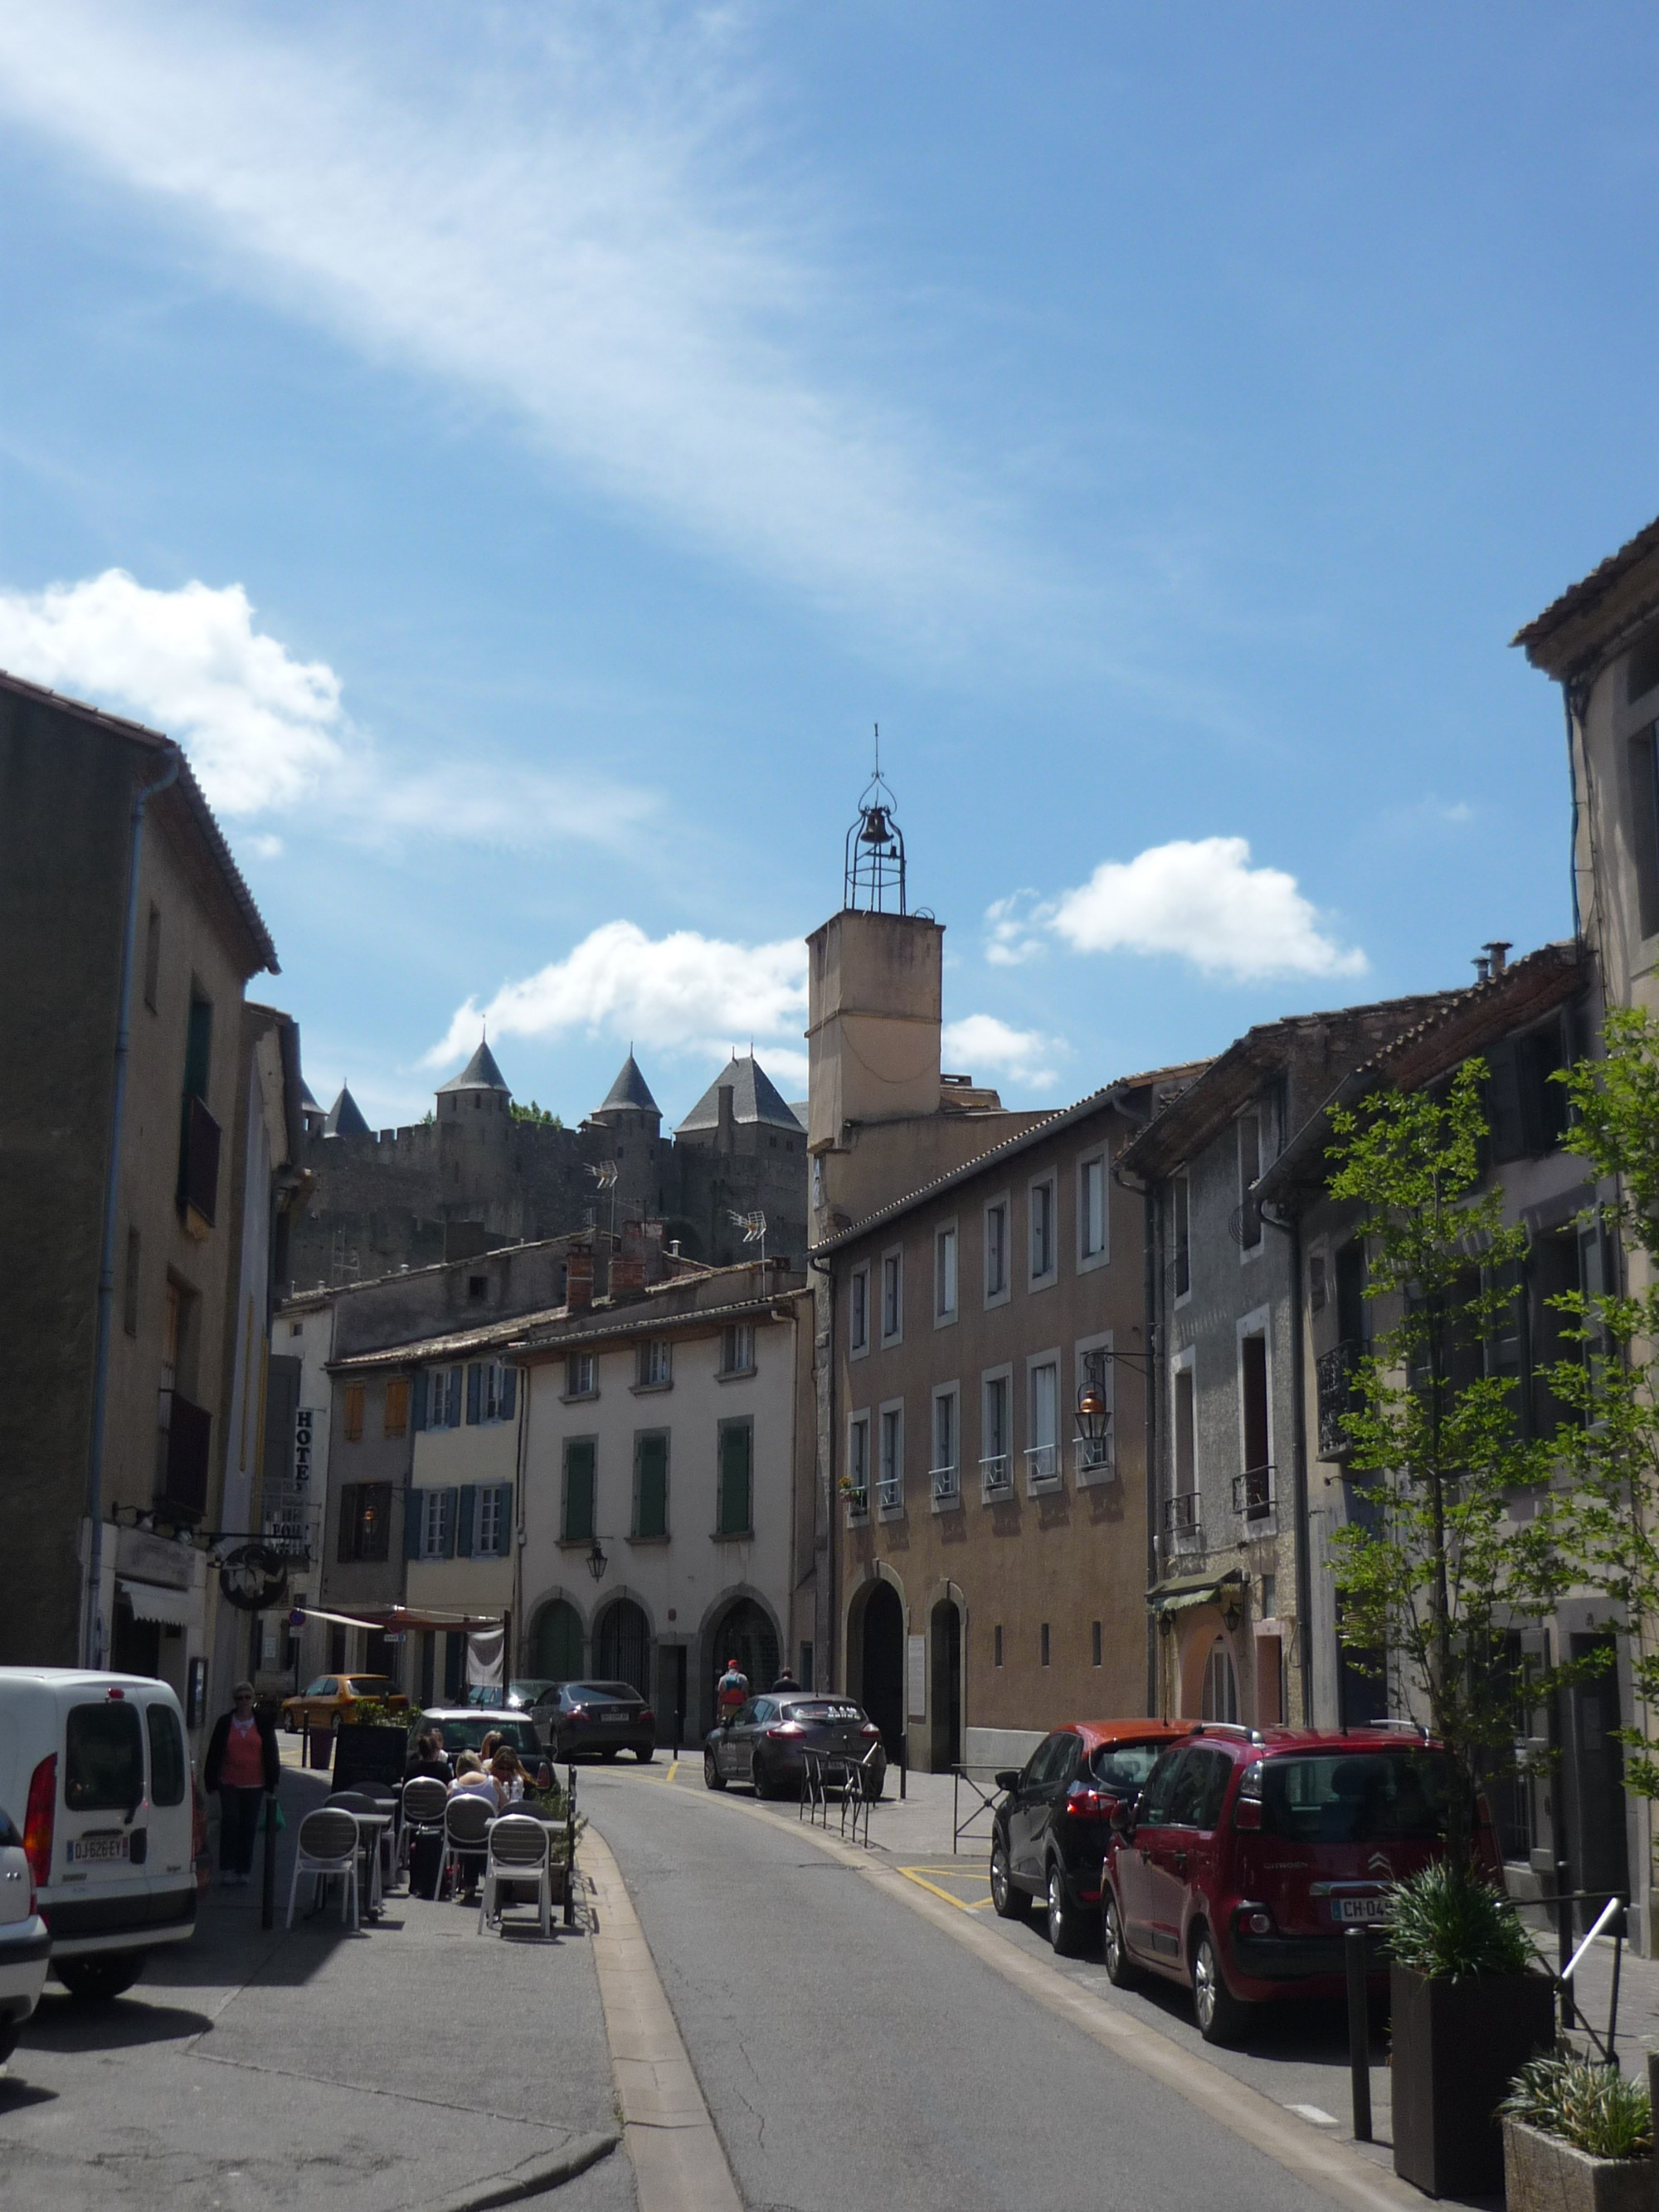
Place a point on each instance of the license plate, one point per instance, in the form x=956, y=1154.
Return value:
x=1358, y=1908
x=83, y=1849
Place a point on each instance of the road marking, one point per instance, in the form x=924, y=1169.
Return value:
x=916, y=1876
x=679, y=2163
x=1312, y=2112
x=1324, y=2162
x=673, y=1769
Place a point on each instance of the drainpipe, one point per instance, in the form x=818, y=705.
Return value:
x=1292, y=1229
x=1151, y=1274
x=92, y=1636
x=826, y=1614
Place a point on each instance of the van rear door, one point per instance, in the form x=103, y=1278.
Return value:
x=103, y=1839
x=170, y=1810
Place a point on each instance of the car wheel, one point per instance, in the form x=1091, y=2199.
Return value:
x=645, y=1752
x=1119, y=1971
x=1010, y=1903
x=290, y=1725
x=1221, y=2018
x=873, y=1784
x=1065, y=1921
x=334, y=1725
x=712, y=1777
x=9, y=2032
x=95, y=1981
x=764, y=1786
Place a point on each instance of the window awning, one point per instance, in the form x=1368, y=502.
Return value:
x=174, y=1608
x=1183, y=1594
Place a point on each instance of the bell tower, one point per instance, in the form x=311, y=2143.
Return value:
x=874, y=1009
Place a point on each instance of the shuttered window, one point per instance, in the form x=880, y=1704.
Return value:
x=651, y=1483
x=354, y=1413
x=737, y=1457
x=579, y=1452
x=395, y=1423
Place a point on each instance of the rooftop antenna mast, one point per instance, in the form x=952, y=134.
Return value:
x=875, y=849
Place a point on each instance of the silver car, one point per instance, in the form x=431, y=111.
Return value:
x=25, y=1941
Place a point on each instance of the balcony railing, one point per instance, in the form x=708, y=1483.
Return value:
x=1339, y=1396
x=1183, y=1521
x=1094, y=1455
x=858, y=1499
x=946, y=1481
x=198, y=1167
x=1042, y=1465
x=1253, y=1493
x=996, y=1475
x=184, y=1469
x=890, y=1492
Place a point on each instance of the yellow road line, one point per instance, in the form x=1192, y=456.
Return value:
x=911, y=1874
x=673, y=1769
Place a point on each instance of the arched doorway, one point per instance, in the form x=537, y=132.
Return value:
x=1220, y=1699
x=556, y=1643
x=944, y=1642
x=882, y=1635
x=744, y=1632
x=622, y=1646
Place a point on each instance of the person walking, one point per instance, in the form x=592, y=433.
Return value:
x=243, y=1765
x=732, y=1693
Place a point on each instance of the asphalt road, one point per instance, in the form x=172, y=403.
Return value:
x=851, y=2055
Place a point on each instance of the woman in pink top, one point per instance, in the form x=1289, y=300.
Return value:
x=243, y=1763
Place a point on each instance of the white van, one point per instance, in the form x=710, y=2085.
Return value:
x=94, y=1770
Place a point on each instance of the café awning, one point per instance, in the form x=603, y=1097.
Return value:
x=173, y=1608
x=1185, y=1592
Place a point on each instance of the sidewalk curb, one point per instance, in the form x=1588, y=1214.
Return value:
x=1344, y=2175
x=529, y=2179
x=679, y=2162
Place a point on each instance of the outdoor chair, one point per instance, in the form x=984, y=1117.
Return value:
x=466, y=1822
x=370, y=1801
x=327, y=1845
x=520, y=1849
x=424, y=1799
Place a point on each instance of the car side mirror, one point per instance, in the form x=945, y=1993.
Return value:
x=1121, y=1818
x=1008, y=1779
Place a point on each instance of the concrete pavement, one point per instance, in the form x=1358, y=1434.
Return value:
x=397, y=2068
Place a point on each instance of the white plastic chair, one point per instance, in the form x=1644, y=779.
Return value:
x=467, y=1816
x=521, y=1850
x=424, y=1799
x=327, y=1845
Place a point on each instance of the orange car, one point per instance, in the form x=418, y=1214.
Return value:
x=333, y=1700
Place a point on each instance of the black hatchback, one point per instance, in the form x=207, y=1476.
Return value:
x=765, y=1741
x=606, y=1718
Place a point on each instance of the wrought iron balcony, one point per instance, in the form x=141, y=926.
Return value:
x=1253, y=1495
x=1339, y=1396
x=1094, y=1455
x=198, y=1167
x=858, y=1499
x=1183, y=1521
x=189, y=1429
x=1042, y=1465
x=946, y=1481
x=890, y=1492
x=996, y=1475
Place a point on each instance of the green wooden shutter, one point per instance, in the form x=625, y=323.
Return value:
x=348, y=1543
x=447, y=1526
x=474, y=1395
x=467, y=1519
x=509, y=1392
x=737, y=1452
x=414, y=1515
x=651, y=1486
x=579, y=1455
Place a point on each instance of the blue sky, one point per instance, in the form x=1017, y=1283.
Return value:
x=520, y=451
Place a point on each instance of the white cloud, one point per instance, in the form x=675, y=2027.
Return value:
x=682, y=993
x=1201, y=900
x=572, y=215
x=1010, y=939
x=981, y=1045
x=262, y=728
x=266, y=732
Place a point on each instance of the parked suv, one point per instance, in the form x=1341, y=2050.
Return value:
x=1048, y=1834
x=1247, y=1857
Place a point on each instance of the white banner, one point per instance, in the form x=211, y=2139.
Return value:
x=483, y=1659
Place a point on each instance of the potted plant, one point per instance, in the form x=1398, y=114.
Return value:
x=1470, y=2009
x=1577, y=2137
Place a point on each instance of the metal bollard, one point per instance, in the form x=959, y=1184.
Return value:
x=267, y=1894
x=1360, y=2032
x=904, y=1764
x=680, y=1728
x=1564, y=1937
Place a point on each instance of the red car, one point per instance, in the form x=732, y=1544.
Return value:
x=1248, y=1854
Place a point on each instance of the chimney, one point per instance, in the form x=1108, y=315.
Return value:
x=725, y=1132
x=579, y=1278
x=1497, y=953
x=628, y=1266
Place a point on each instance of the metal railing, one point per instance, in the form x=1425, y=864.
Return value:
x=890, y=1491
x=198, y=1163
x=996, y=1475
x=1338, y=1396
x=946, y=1481
x=1254, y=1496
x=1042, y=1463
x=1184, y=1519
x=1094, y=1454
x=858, y=1501
x=851, y=1780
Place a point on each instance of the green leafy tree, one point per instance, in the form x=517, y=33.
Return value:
x=1611, y=1380
x=1459, y=1535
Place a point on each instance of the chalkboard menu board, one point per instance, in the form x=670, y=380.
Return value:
x=375, y=1755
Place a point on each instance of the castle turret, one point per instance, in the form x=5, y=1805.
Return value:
x=628, y=1106
x=344, y=1117
x=479, y=1087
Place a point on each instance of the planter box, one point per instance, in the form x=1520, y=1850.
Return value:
x=1457, y=2046
x=1541, y=2173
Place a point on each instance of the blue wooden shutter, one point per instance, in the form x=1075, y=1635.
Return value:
x=466, y=1519
x=509, y=1391
x=447, y=1526
x=414, y=1515
x=651, y=1486
x=423, y=1385
x=474, y=1395
x=452, y=1399
x=578, y=1454
x=737, y=1445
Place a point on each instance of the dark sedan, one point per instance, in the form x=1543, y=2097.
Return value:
x=1051, y=1832
x=764, y=1742
x=606, y=1717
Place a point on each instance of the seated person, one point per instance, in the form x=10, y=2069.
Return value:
x=469, y=1777
x=488, y=1747
x=507, y=1772
x=429, y=1759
